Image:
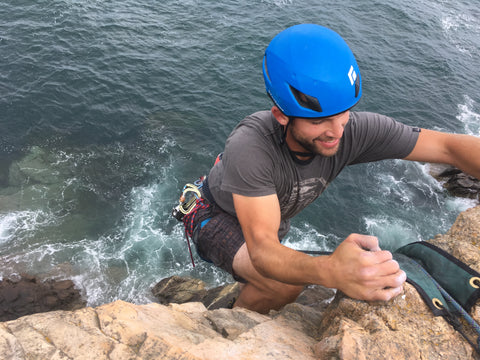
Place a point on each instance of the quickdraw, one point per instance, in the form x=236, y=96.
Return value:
x=189, y=203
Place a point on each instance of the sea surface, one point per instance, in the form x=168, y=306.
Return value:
x=107, y=108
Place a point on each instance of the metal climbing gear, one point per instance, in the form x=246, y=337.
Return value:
x=191, y=200
x=187, y=201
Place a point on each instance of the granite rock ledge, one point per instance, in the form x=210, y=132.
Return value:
x=312, y=328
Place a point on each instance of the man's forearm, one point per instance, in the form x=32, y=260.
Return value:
x=286, y=265
x=465, y=153
x=461, y=151
x=358, y=267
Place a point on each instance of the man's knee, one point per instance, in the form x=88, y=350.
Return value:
x=267, y=296
x=243, y=267
x=287, y=292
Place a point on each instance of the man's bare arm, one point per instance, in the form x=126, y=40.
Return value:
x=461, y=151
x=357, y=267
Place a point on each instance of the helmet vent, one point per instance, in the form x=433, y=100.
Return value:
x=306, y=101
x=266, y=67
x=357, y=86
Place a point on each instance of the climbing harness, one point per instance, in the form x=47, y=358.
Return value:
x=448, y=286
x=189, y=203
x=194, y=197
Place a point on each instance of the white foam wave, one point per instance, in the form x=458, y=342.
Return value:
x=406, y=182
x=19, y=224
x=279, y=3
x=469, y=117
x=392, y=232
x=306, y=237
x=414, y=206
x=455, y=21
x=456, y=25
x=126, y=264
x=457, y=204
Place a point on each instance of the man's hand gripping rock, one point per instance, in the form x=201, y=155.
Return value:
x=361, y=270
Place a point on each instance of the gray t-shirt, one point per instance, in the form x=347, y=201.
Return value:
x=256, y=163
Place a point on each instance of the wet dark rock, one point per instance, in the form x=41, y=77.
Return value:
x=456, y=182
x=29, y=295
x=179, y=290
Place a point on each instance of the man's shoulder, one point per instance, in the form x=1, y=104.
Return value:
x=371, y=137
x=259, y=119
x=370, y=120
x=259, y=124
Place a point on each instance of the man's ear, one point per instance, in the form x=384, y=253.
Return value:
x=281, y=118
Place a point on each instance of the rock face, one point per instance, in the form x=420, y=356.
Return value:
x=403, y=328
x=455, y=181
x=124, y=331
x=29, y=295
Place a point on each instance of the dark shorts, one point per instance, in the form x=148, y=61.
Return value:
x=219, y=240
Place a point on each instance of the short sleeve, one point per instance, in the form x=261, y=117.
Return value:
x=248, y=164
x=376, y=137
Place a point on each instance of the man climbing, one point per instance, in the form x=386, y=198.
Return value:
x=277, y=162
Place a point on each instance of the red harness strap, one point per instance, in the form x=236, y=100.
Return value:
x=189, y=221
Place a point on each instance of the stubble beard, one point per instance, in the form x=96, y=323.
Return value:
x=314, y=148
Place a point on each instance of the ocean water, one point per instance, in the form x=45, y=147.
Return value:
x=107, y=108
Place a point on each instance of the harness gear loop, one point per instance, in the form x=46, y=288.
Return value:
x=189, y=221
x=189, y=203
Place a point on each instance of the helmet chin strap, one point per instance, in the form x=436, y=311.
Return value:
x=284, y=138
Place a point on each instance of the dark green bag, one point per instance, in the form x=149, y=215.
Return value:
x=448, y=286
x=458, y=279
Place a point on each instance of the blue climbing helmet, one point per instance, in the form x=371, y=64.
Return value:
x=310, y=72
